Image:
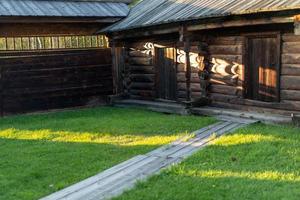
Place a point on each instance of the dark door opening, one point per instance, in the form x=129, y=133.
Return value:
x=262, y=68
x=166, y=81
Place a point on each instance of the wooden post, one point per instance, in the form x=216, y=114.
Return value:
x=114, y=67
x=187, y=46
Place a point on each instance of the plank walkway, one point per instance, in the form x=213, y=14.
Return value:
x=119, y=178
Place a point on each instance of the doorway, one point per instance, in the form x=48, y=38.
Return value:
x=262, y=67
x=166, y=74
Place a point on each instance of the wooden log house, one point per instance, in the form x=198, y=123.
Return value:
x=51, y=56
x=232, y=54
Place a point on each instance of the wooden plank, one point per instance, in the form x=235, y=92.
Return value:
x=203, y=141
x=183, y=145
x=229, y=99
x=148, y=78
x=142, y=69
x=290, y=95
x=87, y=182
x=290, y=82
x=291, y=47
x=140, y=61
x=54, y=79
x=290, y=69
x=101, y=184
x=226, y=89
x=290, y=58
x=225, y=49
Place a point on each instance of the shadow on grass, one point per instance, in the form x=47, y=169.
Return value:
x=31, y=169
x=43, y=153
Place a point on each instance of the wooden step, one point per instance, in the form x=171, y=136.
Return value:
x=157, y=106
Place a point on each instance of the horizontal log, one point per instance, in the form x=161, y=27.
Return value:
x=223, y=80
x=226, y=89
x=290, y=82
x=232, y=40
x=290, y=95
x=140, y=61
x=181, y=94
x=142, y=69
x=143, y=86
x=291, y=47
x=252, y=108
x=283, y=105
x=181, y=68
x=228, y=58
x=138, y=97
x=290, y=37
x=196, y=95
x=149, y=78
x=139, y=54
x=290, y=69
x=290, y=58
x=226, y=49
x=143, y=93
x=195, y=87
x=181, y=77
x=181, y=86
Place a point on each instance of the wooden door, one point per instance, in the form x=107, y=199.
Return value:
x=165, y=61
x=262, y=68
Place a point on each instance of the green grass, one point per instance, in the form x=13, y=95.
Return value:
x=40, y=154
x=258, y=162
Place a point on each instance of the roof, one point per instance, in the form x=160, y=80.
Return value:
x=156, y=12
x=64, y=8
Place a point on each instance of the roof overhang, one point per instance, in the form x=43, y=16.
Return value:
x=33, y=19
x=208, y=24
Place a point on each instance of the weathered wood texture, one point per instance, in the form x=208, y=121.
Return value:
x=141, y=76
x=55, y=79
x=227, y=58
x=165, y=63
x=290, y=72
x=226, y=74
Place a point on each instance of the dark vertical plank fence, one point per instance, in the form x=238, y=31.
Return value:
x=34, y=81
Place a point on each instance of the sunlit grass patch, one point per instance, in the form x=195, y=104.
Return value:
x=43, y=153
x=239, y=139
x=256, y=162
x=265, y=175
x=86, y=137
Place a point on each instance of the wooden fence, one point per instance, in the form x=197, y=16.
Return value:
x=43, y=80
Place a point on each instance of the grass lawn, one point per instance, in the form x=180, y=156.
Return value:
x=40, y=154
x=257, y=162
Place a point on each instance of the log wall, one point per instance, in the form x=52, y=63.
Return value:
x=141, y=77
x=226, y=66
x=227, y=71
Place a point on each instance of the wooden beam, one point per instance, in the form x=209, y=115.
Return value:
x=240, y=23
x=49, y=29
x=184, y=37
x=203, y=24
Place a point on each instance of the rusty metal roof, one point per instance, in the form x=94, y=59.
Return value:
x=64, y=8
x=155, y=12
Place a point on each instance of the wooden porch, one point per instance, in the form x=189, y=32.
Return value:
x=183, y=109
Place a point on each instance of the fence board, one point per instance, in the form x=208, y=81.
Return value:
x=42, y=80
